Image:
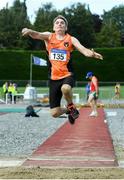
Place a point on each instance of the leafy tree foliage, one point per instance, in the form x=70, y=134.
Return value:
x=44, y=22
x=12, y=20
x=109, y=35
x=116, y=15
x=80, y=23
x=97, y=21
x=91, y=29
x=5, y=30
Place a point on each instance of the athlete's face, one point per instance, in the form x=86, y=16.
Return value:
x=59, y=25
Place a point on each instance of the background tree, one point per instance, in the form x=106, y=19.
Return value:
x=91, y=29
x=5, y=27
x=44, y=22
x=80, y=23
x=19, y=21
x=12, y=20
x=97, y=23
x=116, y=15
x=109, y=35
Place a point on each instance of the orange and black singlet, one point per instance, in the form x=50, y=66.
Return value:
x=59, y=56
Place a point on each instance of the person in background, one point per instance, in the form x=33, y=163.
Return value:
x=117, y=91
x=14, y=92
x=87, y=90
x=5, y=90
x=10, y=89
x=94, y=92
x=59, y=46
x=28, y=85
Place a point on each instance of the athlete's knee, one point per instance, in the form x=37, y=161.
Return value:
x=66, y=88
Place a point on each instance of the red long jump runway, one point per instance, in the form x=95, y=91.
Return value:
x=87, y=143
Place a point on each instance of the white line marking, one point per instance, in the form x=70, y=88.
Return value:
x=11, y=163
x=111, y=113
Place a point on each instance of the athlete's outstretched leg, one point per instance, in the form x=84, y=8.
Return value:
x=72, y=111
x=58, y=111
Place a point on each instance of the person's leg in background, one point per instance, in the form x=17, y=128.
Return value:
x=93, y=104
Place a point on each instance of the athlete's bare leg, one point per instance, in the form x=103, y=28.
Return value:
x=73, y=113
x=58, y=111
x=67, y=93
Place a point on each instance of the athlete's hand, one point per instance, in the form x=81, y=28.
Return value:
x=25, y=31
x=97, y=55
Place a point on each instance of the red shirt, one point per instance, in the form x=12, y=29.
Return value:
x=94, y=84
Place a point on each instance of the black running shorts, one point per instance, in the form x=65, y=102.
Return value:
x=55, y=93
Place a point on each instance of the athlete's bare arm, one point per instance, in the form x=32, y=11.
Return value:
x=85, y=51
x=35, y=34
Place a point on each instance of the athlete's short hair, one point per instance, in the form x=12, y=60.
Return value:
x=61, y=17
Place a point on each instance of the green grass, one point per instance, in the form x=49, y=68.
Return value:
x=105, y=92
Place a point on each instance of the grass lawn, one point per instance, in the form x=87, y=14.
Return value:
x=105, y=92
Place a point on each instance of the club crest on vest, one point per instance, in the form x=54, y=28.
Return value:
x=66, y=44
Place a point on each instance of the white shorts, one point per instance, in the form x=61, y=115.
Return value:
x=92, y=96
